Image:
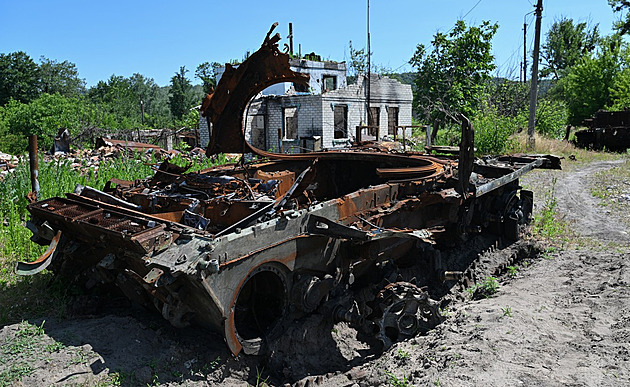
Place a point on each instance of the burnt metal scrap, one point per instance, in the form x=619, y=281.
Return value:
x=244, y=249
x=606, y=130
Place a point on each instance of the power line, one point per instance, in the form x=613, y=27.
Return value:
x=528, y=18
x=474, y=6
x=463, y=17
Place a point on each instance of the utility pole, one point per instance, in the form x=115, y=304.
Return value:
x=367, y=99
x=533, y=96
x=524, y=51
x=291, y=39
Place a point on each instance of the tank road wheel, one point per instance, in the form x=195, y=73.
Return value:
x=260, y=308
x=404, y=311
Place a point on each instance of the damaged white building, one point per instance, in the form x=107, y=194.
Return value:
x=295, y=118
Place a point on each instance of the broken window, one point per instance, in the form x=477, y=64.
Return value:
x=258, y=131
x=341, y=121
x=392, y=120
x=329, y=83
x=290, y=123
x=300, y=88
x=374, y=118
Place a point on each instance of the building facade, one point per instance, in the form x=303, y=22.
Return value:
x=293, y=118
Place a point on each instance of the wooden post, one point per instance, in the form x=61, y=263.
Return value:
x=34, y=164
x=404, y=128
x=567, y=133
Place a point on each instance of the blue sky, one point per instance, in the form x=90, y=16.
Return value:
x=155, y=38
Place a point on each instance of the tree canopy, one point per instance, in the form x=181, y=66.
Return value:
x=60, y=77
x=619, y=6
x=587, y=86
x=207, y=72
x=19, y=77
x=451, y=76
x=41, y=98
x=180, y=96
x=565, y=44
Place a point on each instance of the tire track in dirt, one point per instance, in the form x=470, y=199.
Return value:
x=584, y=212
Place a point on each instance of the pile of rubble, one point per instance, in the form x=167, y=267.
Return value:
x=105, y=149
x=7, y=164
x=82, y=159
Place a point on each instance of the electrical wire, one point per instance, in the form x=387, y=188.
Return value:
x=474, y=6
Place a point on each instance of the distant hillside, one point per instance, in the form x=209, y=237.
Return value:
x=406, y=78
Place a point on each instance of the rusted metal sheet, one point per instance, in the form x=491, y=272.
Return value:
x=244, y=249
x=226, y=105
x=30, y=268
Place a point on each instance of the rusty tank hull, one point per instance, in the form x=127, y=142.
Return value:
x=245, y=248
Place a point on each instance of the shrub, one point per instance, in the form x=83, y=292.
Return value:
x=551, y=118
x=493, y=132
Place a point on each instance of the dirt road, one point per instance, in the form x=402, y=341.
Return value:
x=560, y=317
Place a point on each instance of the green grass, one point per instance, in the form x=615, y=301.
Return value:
x=396, y=382
x=402, y=354
x=548, y=224
x=611, y=185
x=486, y=288
x=17, y=354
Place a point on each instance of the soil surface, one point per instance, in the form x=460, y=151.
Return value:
x=561, y=317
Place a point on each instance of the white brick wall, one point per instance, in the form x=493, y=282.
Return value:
x=204, y=132
x=316, y=113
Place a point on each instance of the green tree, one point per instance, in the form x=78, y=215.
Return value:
x=587, y=85
x=180, y=97
x=19, y=77
x=160, y=114
x=358, y=61
x=507, y=97
x=116, y=96
x=44, y=116
x=452, y=76
x=565, y=44
x=619, y=6
x=620, y=91
x=154, y=98
x=207, y=72
x=60, y=77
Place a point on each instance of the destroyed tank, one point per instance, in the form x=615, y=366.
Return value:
x=246, y=248
x=607, y=130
